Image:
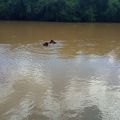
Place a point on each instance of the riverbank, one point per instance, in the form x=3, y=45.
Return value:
x=61, y=10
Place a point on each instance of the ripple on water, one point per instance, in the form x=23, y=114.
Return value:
x=65, y=81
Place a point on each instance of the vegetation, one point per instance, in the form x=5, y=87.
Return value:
x=61, y=10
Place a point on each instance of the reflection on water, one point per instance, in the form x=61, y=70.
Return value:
x=78, y=78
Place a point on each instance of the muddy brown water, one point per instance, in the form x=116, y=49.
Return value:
x=76, y=79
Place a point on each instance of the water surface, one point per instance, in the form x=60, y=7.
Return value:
x=76, y=79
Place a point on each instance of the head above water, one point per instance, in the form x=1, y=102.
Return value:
x=52, y=42
x=45, y=44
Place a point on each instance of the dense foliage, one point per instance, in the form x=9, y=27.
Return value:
x=61, y=10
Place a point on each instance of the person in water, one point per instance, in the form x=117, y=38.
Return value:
x=47, y=43
x=52, y=42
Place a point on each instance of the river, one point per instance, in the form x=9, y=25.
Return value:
x=78, y=78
